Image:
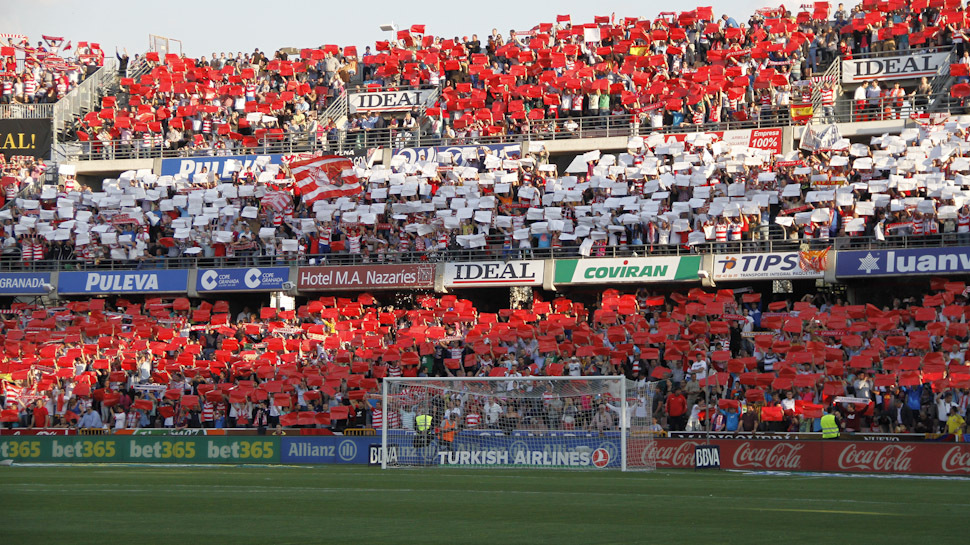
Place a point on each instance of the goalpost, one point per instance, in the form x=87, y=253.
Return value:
x=544, y=422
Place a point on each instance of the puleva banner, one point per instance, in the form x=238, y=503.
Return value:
x=175, y=280
x=31, y=137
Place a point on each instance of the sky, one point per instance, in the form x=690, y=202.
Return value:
x=204, y=26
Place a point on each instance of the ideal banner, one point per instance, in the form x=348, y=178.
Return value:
x=852, y=456
x=629, y=270
x=161, y=281
x=896, y=67
x=24, y=283
x=477, y=274
x=769, y=266
x=261, y=279
x=371, y=277
x=135, y=448
x=388, y=101
x=32, y=137
x=953, y=259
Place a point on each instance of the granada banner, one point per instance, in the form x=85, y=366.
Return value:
x=852, y=456
x=953, y=260
x=175, y=280
x=388, y=101
x=263, y=279
x=630, y=270
x=134, y=448
x=24, y=283
x=890, y=68
x=32, y=137
x=494, y=273
x=372, y=277
x=781, y=265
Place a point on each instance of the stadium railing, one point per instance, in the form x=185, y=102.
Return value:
x=27, y=111
x=11, y=263
x=604, y=126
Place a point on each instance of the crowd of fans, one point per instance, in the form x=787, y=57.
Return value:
x=660, y=195
x=771, y=366
x=690, y=68
x=44, y=73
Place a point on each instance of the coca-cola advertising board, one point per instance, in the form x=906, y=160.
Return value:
x=38, y=431
x=851, y=456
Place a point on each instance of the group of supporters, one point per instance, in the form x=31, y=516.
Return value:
x=717, y=360
x=681, y=69
x=44, y=73
x=663, y=193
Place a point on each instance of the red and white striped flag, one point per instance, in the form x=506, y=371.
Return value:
x=325, y=177
x=279, y=201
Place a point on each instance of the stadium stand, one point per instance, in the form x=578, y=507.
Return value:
x=44, y=73
x=724, y=359
x=661, y=197
x=683, y=70
x=168, y=363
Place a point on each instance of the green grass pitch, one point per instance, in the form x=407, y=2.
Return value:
x=339, y=504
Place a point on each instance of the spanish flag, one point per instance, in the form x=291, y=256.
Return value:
x=802, y=112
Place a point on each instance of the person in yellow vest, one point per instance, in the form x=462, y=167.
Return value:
x=447, y=432
x=422, y=424
x=955, y=424
x=830, y=424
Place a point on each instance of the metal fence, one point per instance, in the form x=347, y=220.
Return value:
x=84, y=97
x=493, y=252
x=846, y=110
x=27, y=111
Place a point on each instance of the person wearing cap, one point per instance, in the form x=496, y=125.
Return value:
x=602, y=420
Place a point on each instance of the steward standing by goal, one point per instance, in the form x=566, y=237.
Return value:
x=447, y=432
x=422, y=423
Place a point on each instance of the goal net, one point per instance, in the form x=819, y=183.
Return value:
x=548, y=422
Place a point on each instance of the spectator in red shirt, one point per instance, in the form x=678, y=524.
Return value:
x=676, y=410
x=41, y=415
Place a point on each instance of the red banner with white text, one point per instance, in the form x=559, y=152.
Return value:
x=849, y=456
